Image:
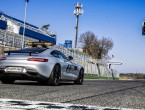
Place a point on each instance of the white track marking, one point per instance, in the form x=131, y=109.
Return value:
x=14, y=104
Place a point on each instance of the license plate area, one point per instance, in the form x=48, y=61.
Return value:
x=14, y=69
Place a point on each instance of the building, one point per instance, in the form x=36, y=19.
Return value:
x=11, y=32
x=67, y=44
x=61, y=45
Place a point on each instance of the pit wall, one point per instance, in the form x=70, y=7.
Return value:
x=91, y=66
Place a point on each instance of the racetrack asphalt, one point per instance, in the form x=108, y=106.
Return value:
x=104, y=93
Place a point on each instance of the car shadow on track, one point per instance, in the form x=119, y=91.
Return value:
x=35, y=83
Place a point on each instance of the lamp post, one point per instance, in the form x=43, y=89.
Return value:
x=23, y=38
x=78, y=11
x=113, y=63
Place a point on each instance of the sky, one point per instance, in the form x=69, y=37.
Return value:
x=120, y=20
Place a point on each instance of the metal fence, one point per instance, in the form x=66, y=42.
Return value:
x=10, y=39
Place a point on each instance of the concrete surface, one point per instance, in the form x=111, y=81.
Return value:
x=120, y=94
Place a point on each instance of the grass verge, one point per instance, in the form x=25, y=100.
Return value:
x=94, y=76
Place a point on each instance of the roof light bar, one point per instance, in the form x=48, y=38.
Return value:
x=40, y=43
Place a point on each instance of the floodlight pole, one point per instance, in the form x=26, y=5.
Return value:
x=76, y=37
x=23, y=38
x=78, y=11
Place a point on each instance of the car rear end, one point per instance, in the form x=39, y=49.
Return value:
x=27, y=63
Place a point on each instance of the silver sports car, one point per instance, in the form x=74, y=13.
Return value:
x=45, y=65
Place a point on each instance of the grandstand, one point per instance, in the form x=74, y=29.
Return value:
x=10, y=25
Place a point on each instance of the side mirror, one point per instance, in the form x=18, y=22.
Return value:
x=70, y=58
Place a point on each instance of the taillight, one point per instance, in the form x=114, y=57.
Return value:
x=38, y=59
x=2, y=58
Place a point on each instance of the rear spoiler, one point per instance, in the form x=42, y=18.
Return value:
x=9, y=52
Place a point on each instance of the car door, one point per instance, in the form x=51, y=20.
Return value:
x=75, y=68
x=60, y=59
x=67, y=67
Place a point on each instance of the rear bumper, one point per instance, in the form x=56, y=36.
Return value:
x=33, y=68
x=30, y=74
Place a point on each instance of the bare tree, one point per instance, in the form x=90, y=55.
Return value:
x=97, y=48
x=105, y=44
x=87, y=40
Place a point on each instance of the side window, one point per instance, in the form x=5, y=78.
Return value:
x=59, y=54
x=62, y=56
x=55, y=54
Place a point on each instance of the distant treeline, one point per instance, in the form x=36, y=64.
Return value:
x=132, y=75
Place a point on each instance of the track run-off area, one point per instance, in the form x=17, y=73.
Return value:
x=92, y=95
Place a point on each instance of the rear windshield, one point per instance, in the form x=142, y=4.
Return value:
x=33, y=50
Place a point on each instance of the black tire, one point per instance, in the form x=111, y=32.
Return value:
x=80, y=78
x=42, y=82
x=7, y=81
x=54, y=79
